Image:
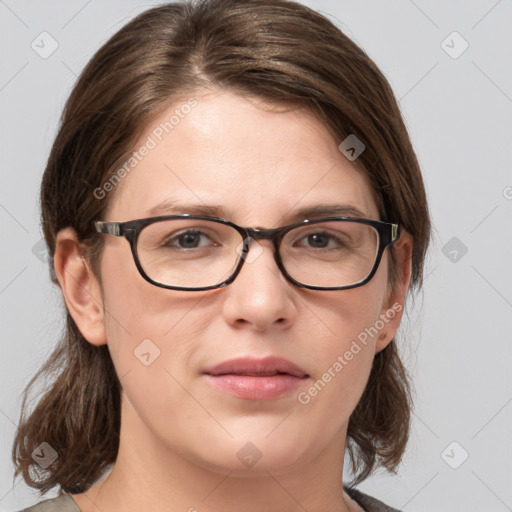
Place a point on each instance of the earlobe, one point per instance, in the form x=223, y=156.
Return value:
x=393, y=306
x=80, y=287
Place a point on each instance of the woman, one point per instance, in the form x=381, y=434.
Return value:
x=235, y=216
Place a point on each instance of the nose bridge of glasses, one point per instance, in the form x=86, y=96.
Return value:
x=254, y=250
x=261, y=233
x=255, y=234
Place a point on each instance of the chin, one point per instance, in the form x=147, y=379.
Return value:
x=255, y=455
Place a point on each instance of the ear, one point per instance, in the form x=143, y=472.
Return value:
x=80, y=288
x=393, y=306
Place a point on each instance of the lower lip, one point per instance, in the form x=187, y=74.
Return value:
x=250, y=387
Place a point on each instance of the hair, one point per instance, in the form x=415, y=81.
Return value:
x=277, y=50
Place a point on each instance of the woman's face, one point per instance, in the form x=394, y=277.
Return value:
x=261, y=167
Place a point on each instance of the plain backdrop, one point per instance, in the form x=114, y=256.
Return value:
x=449, y=63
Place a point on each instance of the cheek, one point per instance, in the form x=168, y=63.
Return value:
x=344, y=357
x=140, y=318
x=145, y=329
x=350, y=315
x=348, y=353
x=152, y=336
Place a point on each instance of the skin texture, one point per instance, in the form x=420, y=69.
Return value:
x=179, y=435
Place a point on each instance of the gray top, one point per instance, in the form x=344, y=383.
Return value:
x=65, y=503
x=367, y=502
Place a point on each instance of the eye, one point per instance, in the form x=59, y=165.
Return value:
x=319, y=240
x=322, y=240
x=190, y=239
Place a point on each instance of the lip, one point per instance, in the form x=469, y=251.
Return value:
x=257, y=367
x=256, y=379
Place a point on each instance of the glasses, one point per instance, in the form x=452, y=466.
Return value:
x=194, y=252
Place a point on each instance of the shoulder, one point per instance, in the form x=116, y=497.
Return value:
x=63, y=503
x=367, y=502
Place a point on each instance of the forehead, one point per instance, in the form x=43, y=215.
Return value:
x=260, y=162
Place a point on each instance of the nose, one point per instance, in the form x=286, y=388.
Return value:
x=260, y=297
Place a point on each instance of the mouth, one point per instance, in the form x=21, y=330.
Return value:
x=267, y=367
x=256, y=379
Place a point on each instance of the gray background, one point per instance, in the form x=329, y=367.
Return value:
x=456, y=339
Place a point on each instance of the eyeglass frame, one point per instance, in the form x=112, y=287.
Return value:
x=388, y=234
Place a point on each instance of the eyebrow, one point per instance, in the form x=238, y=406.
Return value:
x=172, y=207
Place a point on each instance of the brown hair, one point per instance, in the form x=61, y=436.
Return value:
x=273, y=49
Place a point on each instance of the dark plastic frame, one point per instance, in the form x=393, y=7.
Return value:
x=388, y=234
